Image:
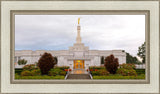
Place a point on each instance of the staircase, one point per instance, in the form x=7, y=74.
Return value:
x=78, y=76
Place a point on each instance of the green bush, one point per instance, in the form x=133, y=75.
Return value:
x=103, y=72
x=140, y=71
x=96, y=67
x=26, y=73
x=36, y=72
x=18, y=71
x=100, y=72
x=95, y=73
x=119, y=77
x=40, y=77
x=54, y=72
x=62, y=67
x=22, y=62
x=128, y=66
x=127, y=72
x=29, y=67
x=62, y=73
x=16, y=75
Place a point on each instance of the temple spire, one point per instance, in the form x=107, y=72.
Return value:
x=78, y=21
x=78, y=39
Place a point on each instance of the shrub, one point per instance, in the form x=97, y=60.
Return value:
x=103, y=72
x=22, y=62
x=128, y=66
x=36, y=72
x=54, y=72
x=100, y=72
x=94, y=73
x=63, y=67
x=140, y=71
x=96, y=67
x=127, y=72
x=18, y=71
x=111, y=64
x=29, y=67
x=45, y=63
x=57, y=70
x=62, y=73
x=26, y=73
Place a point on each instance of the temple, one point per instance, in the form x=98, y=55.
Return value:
x=76, y=57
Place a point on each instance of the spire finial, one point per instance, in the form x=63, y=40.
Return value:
x=78, y=20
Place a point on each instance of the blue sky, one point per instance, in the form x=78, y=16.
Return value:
x=99, y=32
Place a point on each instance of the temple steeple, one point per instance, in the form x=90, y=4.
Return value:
x=78, y=39
x=78, y=46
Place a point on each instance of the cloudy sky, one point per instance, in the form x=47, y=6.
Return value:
x=99, y=32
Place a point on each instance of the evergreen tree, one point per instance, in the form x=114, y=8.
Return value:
x=131, y=59
x=142, y=52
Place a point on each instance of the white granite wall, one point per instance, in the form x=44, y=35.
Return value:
x=64, y=55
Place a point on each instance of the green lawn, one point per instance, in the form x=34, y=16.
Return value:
x=119, y=77
x=39, y=77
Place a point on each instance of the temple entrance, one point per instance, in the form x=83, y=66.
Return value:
x=78, y=64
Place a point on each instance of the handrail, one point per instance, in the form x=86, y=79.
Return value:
x=67, y=74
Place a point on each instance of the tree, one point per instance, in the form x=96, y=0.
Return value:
x=142, y=52
x=102, y=60
x=22, y=62
x=111, y=64
x=131, y=59
x=45, y=63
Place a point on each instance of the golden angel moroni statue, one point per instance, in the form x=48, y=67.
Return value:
x=78, y=20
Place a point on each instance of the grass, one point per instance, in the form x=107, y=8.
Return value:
x=119, y=77
x=39, y=77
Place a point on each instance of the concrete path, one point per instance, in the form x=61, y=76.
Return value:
x=79, y=74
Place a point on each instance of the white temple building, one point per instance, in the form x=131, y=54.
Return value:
x=76, y=57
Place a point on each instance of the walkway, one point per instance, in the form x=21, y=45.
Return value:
x=79, y=74
x=79, y=71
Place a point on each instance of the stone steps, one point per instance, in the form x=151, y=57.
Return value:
x=78, y=76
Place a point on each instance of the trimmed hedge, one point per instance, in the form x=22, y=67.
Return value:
x=140, y=71
x=96, y=67
x=39, y=77
x=126, y=72
x=56, y=71
x=18, y=71
x=100, y=72
x=119, y=77
x=35, y=72
x=62, y=67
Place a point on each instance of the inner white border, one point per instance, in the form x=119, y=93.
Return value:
x=153, y=87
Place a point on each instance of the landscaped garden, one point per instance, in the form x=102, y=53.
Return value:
x=112, y=70
x=45, y=69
